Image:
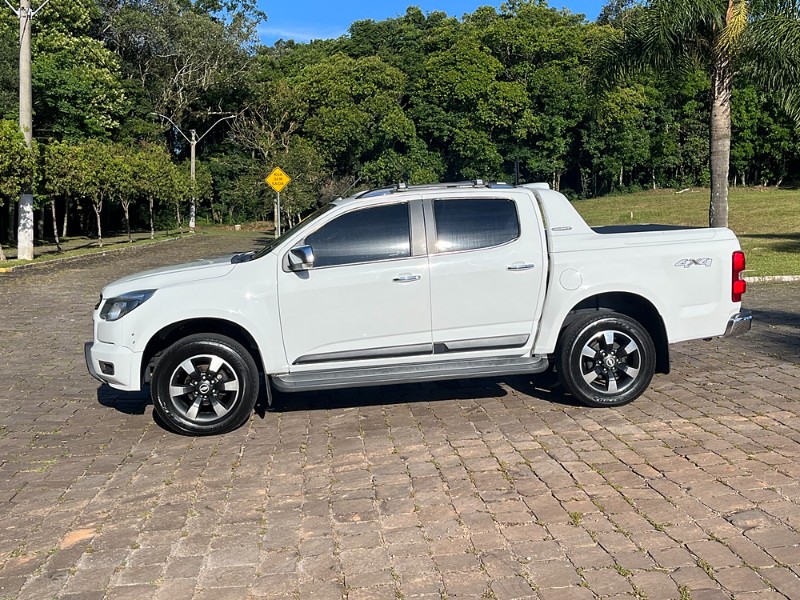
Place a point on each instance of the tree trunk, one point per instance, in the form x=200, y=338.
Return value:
x=12, y=222
x=178, y=218
x=40, y=225
x=55, y=224
x=621, y=173
x=152, y=226
x=720, y=139
x=2, y=254
x=66, y=216
x=126, y=207
x=97, y=209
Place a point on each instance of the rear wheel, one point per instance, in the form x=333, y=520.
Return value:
x=606, y=359
x=205, y=384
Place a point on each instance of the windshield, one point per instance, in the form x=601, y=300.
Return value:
x=273, y=243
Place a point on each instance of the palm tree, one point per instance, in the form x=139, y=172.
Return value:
x=760, y=37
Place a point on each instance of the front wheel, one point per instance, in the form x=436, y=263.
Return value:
x=205, y=384
x=606, y=359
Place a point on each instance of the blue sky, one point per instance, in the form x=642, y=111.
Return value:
x=304, y=20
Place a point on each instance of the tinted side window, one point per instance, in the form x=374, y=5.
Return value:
x=471, y=224
x=378, y=233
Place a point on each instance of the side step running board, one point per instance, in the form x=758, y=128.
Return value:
x=408, y=373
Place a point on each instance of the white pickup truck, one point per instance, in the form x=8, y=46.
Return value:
x=423, y=283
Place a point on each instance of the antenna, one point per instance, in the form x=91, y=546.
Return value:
x=352, y=185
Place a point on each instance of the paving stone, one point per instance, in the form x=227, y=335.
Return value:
x=131, y=592
x=740, y=580
x=572, y=593
x=714, y=553
x=176, y=589
x=512, y=588
x=385, y=592
x=607, y=582
x=553, y=574
x=783, y=580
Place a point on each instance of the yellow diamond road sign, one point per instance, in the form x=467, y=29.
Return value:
x=278, y=180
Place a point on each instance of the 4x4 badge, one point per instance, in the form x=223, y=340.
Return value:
x=688, y=262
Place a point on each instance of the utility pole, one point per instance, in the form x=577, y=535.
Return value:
x=25, y=221
x=192, y=144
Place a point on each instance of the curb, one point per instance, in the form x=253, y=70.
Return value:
x=68, y=259
x=772, y=278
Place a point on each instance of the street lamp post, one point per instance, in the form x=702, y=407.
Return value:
x=25, y=223
x=192, y=144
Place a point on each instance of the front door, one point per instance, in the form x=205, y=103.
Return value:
x=367, y=296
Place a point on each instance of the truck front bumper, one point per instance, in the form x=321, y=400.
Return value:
x=114, y=365
x=739, y=323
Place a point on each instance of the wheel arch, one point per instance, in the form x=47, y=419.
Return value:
x=173, y=332
x=633, y=306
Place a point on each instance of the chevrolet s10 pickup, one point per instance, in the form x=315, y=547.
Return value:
x=419, y=283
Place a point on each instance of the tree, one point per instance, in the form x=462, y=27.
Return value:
x=468, y=111
x=151, y=165
x=543, y=50
x=617, y=137
x=124, y=187
x=77, y=82
x=178, y=51
x=759, y=36
x=97, y=177
x=9, y=57
x=268, y=124
x=353, y=112
x=177, y=187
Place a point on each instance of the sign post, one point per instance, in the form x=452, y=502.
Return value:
x=277, y=180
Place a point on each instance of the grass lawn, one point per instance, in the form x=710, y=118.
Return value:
x=767, y=221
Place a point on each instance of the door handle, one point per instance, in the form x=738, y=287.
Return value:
x=521, y=266
x=407, y=277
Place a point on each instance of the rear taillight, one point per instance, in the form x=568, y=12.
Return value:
x=738, y=285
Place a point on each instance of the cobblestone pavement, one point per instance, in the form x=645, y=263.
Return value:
x=486, y=488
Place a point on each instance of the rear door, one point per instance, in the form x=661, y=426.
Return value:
x=487, y=266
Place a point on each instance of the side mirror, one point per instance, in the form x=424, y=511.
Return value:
x=301, y=258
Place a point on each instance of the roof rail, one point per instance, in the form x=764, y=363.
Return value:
x=473, y=183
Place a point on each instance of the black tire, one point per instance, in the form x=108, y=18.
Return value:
x=606, y=359
x=205, y=384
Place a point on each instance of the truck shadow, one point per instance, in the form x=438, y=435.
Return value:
x=414, y=393
x=783, y=242
x=774, y=334
x=136, y=403
x=129, y=403
x=776, y=317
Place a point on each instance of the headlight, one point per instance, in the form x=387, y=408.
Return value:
x=116, y=308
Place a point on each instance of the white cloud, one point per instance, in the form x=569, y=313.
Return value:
x=268, y=35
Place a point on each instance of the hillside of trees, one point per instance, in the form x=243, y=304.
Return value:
x=417, y=98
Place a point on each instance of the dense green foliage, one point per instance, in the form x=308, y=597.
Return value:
x=418, y=98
